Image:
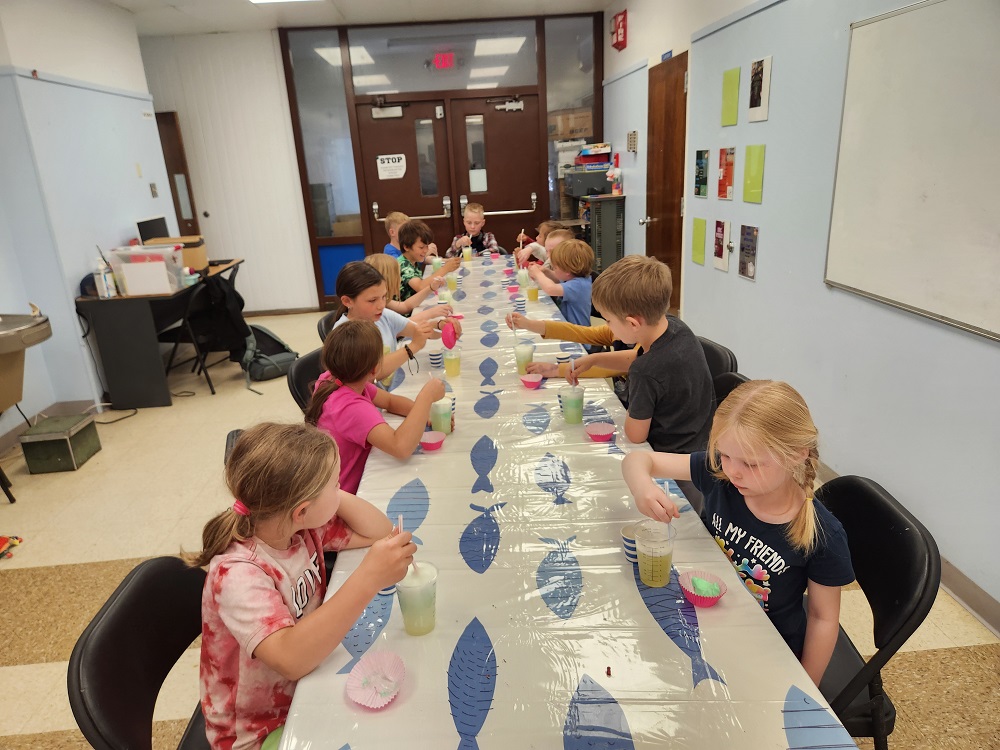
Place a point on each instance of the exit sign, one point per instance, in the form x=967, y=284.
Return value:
x=444, y=60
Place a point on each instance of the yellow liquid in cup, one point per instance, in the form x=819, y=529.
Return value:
x=453, y=366
x=654, y=570
x=532, y=294
x=452, y=283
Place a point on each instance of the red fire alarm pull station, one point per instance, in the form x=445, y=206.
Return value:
x=619, y=31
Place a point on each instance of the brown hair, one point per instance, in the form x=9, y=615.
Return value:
x=389, y=268
x=272, y=469
x=546, y=228
x=352, y=280
x=772, y=417
x=573, y=256
x=635, y=286
x=394, y=220
x=350, y=353
x=412, y=231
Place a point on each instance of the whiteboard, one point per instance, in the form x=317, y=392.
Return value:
x=916, y=206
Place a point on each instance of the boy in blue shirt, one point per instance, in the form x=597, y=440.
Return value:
x=393, y=222
x=568, y=282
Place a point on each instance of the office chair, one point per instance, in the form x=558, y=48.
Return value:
x=302, y=375
x=725, y=383
x=898, y=567
x=720, y=359
x=120, y=661
x=325, y=324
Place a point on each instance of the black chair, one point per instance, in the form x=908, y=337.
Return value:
x=720, y=359
x=724, y=384
x=897, y=565
x=302, y=375
x=120, y=661
x=325, y=324
x=189, y=332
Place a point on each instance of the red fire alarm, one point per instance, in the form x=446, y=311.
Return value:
x=619, y=31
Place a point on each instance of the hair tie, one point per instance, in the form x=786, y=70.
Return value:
x=240, y=509
x=336, y=382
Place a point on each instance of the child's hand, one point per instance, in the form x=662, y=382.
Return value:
x=441, y=312
x=458, y=326
x=434, y=388
x=435, y=282
x=432, y=249
x=545, y=369
x=655, y=503
x=420, y=336
x=452, y=264
x=522, y=237
x=578, y=366
x=463, y=241
x=515, y=320
x=386, y=561
x=534, y=271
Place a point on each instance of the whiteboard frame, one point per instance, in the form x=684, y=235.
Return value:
x=993, y=335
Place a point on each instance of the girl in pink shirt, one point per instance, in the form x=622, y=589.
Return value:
x=346, y=404
x=264, y=622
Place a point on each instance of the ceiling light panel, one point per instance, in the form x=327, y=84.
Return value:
x=374, y=80
x=492, y=85
x=497, y=72
x=509, y=45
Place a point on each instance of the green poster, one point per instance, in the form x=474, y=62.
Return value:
x=698, y=242
x=730, y=96
x=753, y=175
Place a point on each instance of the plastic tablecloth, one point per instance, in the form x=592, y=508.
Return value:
x=545, y=636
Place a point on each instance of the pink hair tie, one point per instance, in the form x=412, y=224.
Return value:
x=240, y=509
x=337, y=382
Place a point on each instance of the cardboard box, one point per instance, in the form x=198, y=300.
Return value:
x=571, y=123
x=193, y=249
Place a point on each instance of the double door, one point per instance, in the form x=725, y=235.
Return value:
x=428, y=159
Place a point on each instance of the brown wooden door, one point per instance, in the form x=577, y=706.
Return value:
x=180, y=179
x=665, y=166
x=500, y=162
x=406, y=167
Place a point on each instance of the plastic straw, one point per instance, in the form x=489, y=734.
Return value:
x=414, y=563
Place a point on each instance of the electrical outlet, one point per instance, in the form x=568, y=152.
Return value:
x=153, y=190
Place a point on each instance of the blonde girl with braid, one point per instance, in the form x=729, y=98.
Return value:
x=757, y=478
x=265, y=623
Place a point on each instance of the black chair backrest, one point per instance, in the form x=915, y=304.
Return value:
x=724, y=384
x=720, y=359
x=325, y=324
x=896, y=560
x=121, y=659
x=302, y=375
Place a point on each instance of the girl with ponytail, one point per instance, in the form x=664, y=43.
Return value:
x=757, y=478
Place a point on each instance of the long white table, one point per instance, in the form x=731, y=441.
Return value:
x=545, y=636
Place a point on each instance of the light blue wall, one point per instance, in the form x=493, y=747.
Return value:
x=909, y=402
x=626, y=99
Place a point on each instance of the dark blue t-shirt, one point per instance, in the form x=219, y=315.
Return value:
x=772, y=570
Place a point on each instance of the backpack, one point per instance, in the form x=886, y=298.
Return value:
x=266, y=356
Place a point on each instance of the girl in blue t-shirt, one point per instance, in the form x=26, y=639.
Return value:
x=757, y=478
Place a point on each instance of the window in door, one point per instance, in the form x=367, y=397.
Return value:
x=475, y=138
x=426, y=162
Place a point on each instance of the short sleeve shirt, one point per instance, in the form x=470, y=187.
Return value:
x=348, y=417
x=773, y=571
x=671, y=385
x=391, y=250
x=576, y=300
x=390, y=325
x=407, y=271
x=253, y=590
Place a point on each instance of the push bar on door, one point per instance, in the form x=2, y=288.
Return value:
x=464, y=200
x=445, y=207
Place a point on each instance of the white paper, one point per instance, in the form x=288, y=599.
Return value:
x=391, y=166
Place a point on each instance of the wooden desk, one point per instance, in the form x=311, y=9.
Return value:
x=126, y=331
x=545, y=637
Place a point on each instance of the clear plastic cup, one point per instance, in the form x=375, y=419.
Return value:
x=452, y=279
x=523, y=277
x=436, y=263
x=417, y=594
x=571, y=400
x=523, y=354
x=441, y=415
x=453, y=362
x=654, y=546
x=532, y=293
x=467, y=253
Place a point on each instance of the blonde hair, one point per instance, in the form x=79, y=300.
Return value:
x=389, y=268
x=635, y=286
x=573, y=256
x=351, y=352
x=772, y=417
x=560, y=234
x=272, y=469
x=546, y=228
x=474, y=208
x=395, y=220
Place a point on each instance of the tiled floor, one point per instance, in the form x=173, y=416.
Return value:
x=158, y=479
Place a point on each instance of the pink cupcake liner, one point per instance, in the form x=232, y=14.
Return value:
x=375, y=679
x=695, y=599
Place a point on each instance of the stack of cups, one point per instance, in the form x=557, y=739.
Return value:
x=505, y=282
x=436, y=354
x=563, y=358
x=628, y=542
x=519, y=303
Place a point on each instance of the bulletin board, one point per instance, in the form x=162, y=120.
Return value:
x=915, y=207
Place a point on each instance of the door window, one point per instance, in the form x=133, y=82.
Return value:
x=475, y=138
x=426, y=161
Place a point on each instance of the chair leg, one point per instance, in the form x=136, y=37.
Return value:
x=200, y=359
x=877, y=704
x=5, y=485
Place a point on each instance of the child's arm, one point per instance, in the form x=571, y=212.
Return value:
x=401, y=442
x=545, y=283
x=366, y=521
x=399, y=405
x=418, y=284
x=822, y=628
x=516, y=320
x=618, y=361
x=637, y=430
x=294, y=652
x=434, y=312
x=411, y=304
x=639, y=468
x=418, y=333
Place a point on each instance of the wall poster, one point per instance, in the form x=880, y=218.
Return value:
x=748, y=252
x=701, y=173
x=727, y=162
x=722, y=240
x=760, y=88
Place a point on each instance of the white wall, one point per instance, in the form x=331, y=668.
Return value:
x=84, y=40
x=229, y=94
x=625, y=108
x=901, y=399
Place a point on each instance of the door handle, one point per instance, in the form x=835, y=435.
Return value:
x=647, y=220
x=534, y=205
x=445, y=211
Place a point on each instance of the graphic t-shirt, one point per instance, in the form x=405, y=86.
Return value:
x=773, y=571
x=348, y=417
x=252, y=591
x=407, y=271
